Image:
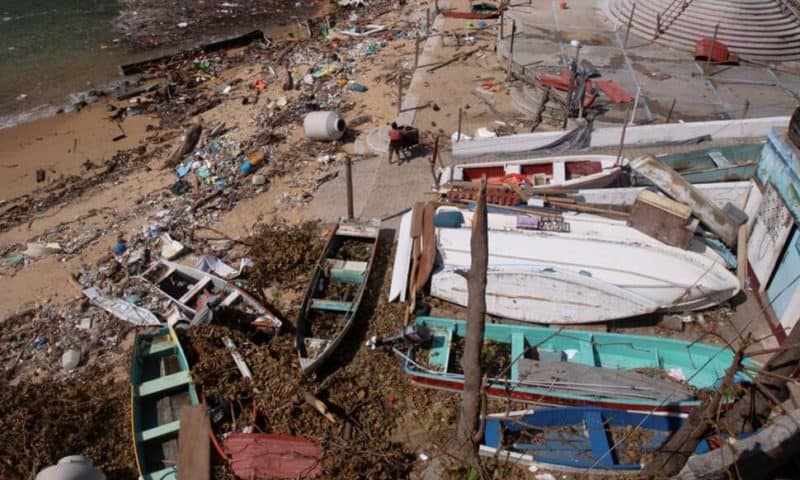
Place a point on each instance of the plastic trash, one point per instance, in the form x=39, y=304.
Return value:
x=170, y=248
x=357, y=87
x=70, y=359
x=245, y=168
x=120, y=247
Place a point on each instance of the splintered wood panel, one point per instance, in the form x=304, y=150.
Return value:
x=771, y=228
x=194, y=452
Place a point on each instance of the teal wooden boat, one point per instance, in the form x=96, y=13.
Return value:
x=573, y=367
x=335, y=291
x=160, y=387
x=710, y=165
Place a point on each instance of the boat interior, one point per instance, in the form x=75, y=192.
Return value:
x=536, y=174
x=161, y=387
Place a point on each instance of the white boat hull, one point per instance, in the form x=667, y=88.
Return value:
x=544, y=295
x=605, y=250
x=402, y=260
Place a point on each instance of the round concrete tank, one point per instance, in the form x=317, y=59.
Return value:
x=324, y=125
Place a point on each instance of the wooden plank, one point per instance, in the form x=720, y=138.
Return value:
x=741, y=256
x=598, y=437
x=599, y=382
x=427, y=259
x=416, y=219
x=194, y=452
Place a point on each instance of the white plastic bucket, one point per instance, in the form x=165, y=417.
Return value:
x=324, y=125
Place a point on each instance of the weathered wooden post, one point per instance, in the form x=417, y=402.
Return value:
x=511, y=49
x=460, y=114
x=349, y=179
x=671, y=108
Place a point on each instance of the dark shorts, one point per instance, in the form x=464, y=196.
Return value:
x=395, y=145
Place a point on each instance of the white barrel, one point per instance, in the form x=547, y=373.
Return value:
x=324, y=125
x=73, y=467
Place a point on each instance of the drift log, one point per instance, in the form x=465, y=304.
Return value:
x=671, y=183
x=754, y=457
x=465, y=447
x=670, y=457
x=751, y=411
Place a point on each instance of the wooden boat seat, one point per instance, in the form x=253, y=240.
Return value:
x=440, y=350
x=346, y=271
x=164, y=383
x=169, y=472
x=158, y=349
x=160, y=431
x=598, y=437
x=231, y=299
x=331, y=305
x=194, y=290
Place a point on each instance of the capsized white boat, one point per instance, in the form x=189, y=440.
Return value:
x=560, y=295
x=546, y=173
x=600, y=270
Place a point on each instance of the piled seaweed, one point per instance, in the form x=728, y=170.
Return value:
x=366, y=390
x=284, y=255
x=85, y=414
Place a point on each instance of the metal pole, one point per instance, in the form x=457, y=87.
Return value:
x=635, y=106
x=658, y=25
x=427, y=21
x=502, y=21
x=628, y=31
x=349, y=178
x=416, y=54
x=460, y=113
x=511, y=49
x=711, y=50
x=622, y=137
x=669, y=115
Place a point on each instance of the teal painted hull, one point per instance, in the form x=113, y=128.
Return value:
x=601, y=354
x=712, y=165
x=160, y=386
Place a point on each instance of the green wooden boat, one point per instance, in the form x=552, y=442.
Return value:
x=710, y=165
x=574, y=367
x=160, y=387
x=335, y=291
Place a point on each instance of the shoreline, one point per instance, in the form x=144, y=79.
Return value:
x=104, y=81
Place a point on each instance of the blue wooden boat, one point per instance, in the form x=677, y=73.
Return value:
x=573, y=367
x=710, y=165
x=580, y=439
x=160, y=387
x=335, y=291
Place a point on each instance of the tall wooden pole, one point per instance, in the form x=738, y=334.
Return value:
x=416, y=53
x=466, y=446
x=399, y=95
x=628, y=30
x=349, y=179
